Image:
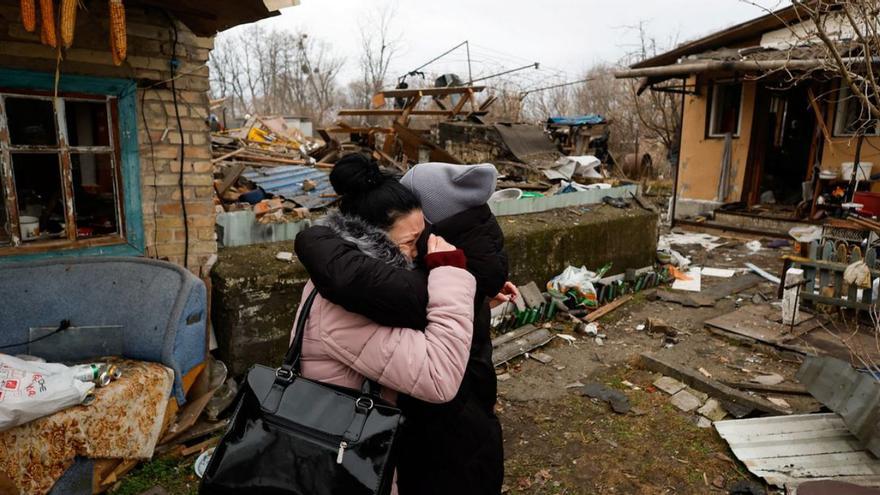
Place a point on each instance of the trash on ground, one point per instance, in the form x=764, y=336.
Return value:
x=618, y=401
x=717, y=272
x=691, y=284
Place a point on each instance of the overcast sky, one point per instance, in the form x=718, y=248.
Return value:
x=565, y=36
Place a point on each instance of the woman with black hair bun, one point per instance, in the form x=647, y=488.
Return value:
x=384, y=221
x=455, y=447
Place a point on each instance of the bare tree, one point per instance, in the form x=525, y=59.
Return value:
x=291, y=73
x=379, y=44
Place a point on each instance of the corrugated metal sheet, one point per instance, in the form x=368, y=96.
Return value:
x=241, y=228
x=287, y=181
x=853, y=395
x=789, y=450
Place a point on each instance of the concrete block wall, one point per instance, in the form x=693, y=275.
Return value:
x=150, y=45
x=255, y=296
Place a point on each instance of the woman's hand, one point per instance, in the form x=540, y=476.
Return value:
x=437, y=244
x=508, y=293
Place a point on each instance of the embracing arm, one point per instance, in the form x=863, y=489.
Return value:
x=390, y=296
x=428, y=366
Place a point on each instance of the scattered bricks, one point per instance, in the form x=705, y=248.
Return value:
x=712, y=410
x=669, y=385
x=685, y=401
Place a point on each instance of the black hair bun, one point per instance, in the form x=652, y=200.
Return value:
x=355, y=173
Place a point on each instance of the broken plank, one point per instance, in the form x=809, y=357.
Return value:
x=732, y=286
x=528, y=342
x=793, y=389
x=513, y=335
x=608, y=308
x=712, y=387
x=229, y=178
x=228, y=155
x=200, y=447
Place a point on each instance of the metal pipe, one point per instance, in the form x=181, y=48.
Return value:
x=733, y=66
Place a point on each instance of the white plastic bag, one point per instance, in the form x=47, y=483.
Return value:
x=31, y=390
x=579, y=279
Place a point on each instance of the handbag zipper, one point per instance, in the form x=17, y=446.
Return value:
x=323, y=438
x=342, y=446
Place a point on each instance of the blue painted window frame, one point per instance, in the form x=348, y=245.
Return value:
x=125, y=90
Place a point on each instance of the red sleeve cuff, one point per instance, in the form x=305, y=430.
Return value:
x=446, y=258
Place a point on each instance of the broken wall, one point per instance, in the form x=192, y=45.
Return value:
x=472, y=143
x=150, y=43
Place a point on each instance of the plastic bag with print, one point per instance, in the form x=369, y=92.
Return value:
x=31, y=390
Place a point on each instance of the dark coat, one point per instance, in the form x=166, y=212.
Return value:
x=446, y=448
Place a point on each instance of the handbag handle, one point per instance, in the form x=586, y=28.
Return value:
x=293, y=358
x=292, y=364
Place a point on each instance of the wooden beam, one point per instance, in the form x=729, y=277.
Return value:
x=793, y=389
x=604, y=310
x=819, y=115
x=409, y=93
x=228, y=155
x=387, y=112
x=229, y=178
x=716, y=389
x=357, y=130
x=409, y=138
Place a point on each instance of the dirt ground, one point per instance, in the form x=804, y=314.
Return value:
x=559, y=442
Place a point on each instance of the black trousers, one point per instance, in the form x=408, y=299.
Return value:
x=457, y=453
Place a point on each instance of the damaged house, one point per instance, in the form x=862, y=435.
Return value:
x=769, y=133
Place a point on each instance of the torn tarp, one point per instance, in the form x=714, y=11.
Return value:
x=590, y=119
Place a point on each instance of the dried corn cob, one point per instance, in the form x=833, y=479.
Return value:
x=29, y=15
x=47, y=16
x=117, y=31
x=68, y=21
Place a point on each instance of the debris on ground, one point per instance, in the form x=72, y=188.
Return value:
x=618, y=401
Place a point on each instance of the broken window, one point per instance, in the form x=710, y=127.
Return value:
x=724, y=116
x=852, y=117
x=59, y=166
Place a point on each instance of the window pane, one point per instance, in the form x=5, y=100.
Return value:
x=726, y=112
x=5, y=237
x=40, y=196
x=31, y=121
x=86, y=123
x=94, y=194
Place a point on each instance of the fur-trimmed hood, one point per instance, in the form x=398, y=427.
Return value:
x=370, y=240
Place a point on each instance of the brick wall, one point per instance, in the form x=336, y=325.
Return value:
x=149, y=50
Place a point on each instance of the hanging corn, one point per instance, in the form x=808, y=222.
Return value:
x=117, y=31
x=47, y=16
x=68, y=21
x=29, y=15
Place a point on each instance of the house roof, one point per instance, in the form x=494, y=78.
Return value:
x=731, y=36
x=208, y=18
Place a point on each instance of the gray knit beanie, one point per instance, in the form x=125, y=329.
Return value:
x=445, y=189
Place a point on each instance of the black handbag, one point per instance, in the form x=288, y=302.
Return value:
x=294, y=436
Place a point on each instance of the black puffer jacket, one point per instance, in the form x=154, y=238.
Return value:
x=453, y=448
